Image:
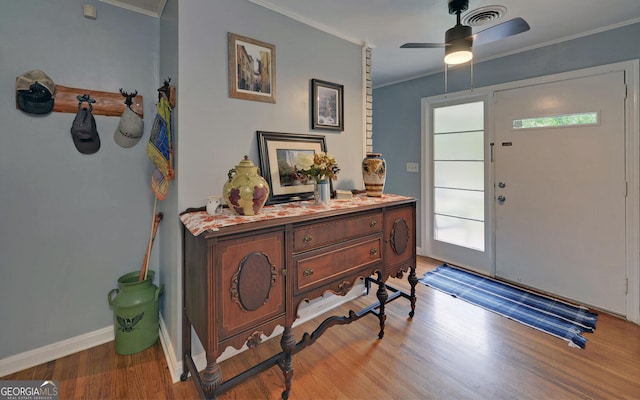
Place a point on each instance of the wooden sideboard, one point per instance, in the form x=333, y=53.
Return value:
x=244, y=276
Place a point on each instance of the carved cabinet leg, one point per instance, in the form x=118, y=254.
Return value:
x=413, y=280
x=288, y=344
x=211, y=378
x=382, y=295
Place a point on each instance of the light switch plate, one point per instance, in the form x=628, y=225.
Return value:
x=413, y=167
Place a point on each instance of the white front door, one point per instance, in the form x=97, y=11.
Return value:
x=560, y=190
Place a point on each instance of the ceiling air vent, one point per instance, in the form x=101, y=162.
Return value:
x=483, y=15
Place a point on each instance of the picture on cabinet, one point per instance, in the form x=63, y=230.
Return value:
x=278, y=154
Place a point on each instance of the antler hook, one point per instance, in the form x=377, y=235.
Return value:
x=164, y=88
x=87, y=98
x=128, y=96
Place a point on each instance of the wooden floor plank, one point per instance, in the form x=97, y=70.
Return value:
x=449, y=350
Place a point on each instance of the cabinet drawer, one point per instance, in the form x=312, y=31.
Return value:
x=322, y=234
x=327, y=265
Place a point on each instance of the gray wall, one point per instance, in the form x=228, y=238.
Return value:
x=169, y=238
x=214, y=132
x=396, y=108
x=70, y=224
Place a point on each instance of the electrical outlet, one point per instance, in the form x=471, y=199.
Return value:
x=413, y=167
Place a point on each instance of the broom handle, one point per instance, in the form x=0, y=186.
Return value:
x=145, y=262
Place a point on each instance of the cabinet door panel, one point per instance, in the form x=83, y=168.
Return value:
x=399, y=235
x=251, y=284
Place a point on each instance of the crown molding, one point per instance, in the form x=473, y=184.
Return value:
x=307, y=21
x=128, y=6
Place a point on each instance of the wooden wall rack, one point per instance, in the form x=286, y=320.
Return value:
x=107, y=103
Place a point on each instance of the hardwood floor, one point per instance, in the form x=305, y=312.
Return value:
x=449, y=350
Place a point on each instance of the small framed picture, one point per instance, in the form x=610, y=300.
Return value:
x=278, y=153
x=252, y=69
x=327, y=108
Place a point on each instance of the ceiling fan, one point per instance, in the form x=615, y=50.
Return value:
x=459, y=40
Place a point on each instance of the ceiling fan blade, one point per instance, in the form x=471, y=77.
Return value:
x=500, y=31
x=422, y=45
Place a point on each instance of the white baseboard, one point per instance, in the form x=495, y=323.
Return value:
x=174, y=365
x=56, y=350
x=307, y=312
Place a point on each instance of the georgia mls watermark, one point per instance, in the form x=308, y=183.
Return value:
x=29, y=390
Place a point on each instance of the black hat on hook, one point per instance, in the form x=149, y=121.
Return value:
x=83, y=130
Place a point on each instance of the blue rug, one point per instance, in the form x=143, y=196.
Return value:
x=546, y=314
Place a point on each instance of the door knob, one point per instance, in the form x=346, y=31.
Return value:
x=501, y=185
x=501, y=199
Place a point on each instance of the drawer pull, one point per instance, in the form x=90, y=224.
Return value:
x=307, y=272
x=373, y=224
x=373, y=251
x=307, y=239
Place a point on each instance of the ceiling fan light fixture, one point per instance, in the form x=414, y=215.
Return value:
x=458, y=52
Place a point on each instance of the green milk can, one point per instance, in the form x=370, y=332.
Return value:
x=135, y=312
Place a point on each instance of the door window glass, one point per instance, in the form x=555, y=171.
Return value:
x=587, y=118
x=458, y=175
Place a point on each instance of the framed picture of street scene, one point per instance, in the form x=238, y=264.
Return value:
x=327, y=107
x=278, y=154
x=252, y=69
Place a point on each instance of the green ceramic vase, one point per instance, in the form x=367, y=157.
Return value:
x=245, y=191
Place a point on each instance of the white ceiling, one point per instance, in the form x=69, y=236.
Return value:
x=387, y=24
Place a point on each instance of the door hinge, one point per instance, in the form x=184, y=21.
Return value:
x=284, y=272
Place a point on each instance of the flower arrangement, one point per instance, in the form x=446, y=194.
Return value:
x=317, y=166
